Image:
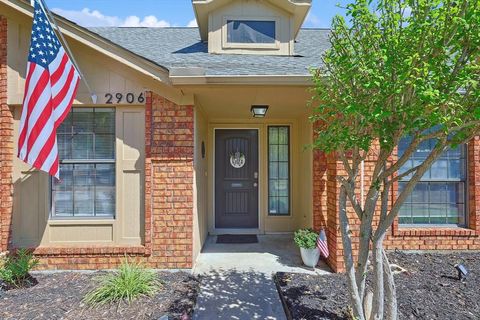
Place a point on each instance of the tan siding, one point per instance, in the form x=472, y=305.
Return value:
x=250, y=10
x=31, y=224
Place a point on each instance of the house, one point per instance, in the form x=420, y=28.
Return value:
x=196, y=131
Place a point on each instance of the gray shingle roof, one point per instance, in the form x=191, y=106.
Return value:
x=181, y=47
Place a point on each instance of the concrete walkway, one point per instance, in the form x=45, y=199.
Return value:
x=237, y=279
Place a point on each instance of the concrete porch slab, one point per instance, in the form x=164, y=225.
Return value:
x=272, y=253
x=237, y=279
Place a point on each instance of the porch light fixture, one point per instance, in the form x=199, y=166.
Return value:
x=259, y=111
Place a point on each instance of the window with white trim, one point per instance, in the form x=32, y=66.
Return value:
x=439, y=198
x=251, y=31
x=86, y=144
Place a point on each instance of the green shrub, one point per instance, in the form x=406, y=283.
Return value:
x=306, y=238
x=131, y=281
x=15, y=269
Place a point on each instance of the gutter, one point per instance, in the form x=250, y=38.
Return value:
x=197, y=76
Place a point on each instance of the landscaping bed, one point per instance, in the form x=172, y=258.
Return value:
x=59, y=296
x=429, y=289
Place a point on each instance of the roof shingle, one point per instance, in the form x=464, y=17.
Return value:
x=182, y=48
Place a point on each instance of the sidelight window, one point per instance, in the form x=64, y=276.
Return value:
x=278, y=170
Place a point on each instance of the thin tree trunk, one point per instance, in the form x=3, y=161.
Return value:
x=348, y=256
x=378, y=273
x=390, y=290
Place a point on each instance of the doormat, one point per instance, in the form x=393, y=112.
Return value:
x=237, y=238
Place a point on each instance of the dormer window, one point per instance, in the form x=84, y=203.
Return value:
x=259, y=27
x=246, y=32
x=250, y=31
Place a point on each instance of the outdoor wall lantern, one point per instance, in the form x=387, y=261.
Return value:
x=259, y=111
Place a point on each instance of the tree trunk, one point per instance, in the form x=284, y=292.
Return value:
x=390, y=292
x=348, y=255
x=378, y=273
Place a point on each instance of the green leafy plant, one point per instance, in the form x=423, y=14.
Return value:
x=397, y=73
x=306, y=238
x=131, y=281
x=15, y=269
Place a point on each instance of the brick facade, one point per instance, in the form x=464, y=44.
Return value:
x=6, y=143
x=168, y=198
x=397, y=238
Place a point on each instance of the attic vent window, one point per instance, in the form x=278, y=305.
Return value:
x=251, y=31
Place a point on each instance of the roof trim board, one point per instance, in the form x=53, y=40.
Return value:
x=99, y=43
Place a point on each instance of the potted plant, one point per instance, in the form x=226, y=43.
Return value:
x=306, y=240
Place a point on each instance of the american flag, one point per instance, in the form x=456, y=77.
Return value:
x=322, y=243
x=50, y=87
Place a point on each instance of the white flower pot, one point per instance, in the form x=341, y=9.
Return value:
x=310, y=257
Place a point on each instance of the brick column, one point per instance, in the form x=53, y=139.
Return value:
x=6, y=146
x=169, y=182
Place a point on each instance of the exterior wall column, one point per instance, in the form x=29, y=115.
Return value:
x=325, y=205
x=169, y=182
x=6, y=147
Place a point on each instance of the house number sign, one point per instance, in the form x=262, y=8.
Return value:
x=129, y=98
x=237, y=160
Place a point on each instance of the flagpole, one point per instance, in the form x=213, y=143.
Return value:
x=65, y=44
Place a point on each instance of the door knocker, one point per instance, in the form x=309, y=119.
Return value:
x=237, y=160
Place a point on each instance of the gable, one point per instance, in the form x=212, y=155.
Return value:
x=107, y=67
x=252, y=11
x=297, y=8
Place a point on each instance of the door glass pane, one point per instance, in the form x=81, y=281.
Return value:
x=273, y=152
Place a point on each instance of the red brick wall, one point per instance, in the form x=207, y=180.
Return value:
x=169, y=138
x=397, y=238
x=6, y=145
x=170, y=161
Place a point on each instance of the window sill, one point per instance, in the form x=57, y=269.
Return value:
x=66, y=222
x=91, y=250
x=434, y=231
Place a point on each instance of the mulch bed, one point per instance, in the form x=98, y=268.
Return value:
x=429, y=289
x=59, y=296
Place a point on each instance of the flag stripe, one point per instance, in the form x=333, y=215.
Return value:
x=322, y=243
x=63, y=109
x=33, y=112
x=23, y=133
x=38, y=117
x=60, y=96
x=57, y=70
x=50, y=88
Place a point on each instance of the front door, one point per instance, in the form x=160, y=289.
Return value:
x=236, y=178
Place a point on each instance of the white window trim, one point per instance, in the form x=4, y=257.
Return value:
x=264, y=46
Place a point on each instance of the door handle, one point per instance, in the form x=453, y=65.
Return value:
x=255, y=184
x=255, y=175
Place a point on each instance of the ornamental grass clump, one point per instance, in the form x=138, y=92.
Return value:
x=15, y=269
x=306, y=238
x=130, y=282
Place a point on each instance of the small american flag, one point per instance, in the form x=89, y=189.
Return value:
x=322, y=243
x=50, y=87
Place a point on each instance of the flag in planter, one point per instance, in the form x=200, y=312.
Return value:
x=322, y=243
x=50, y=87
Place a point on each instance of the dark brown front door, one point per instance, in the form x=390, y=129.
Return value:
x=236, y=178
